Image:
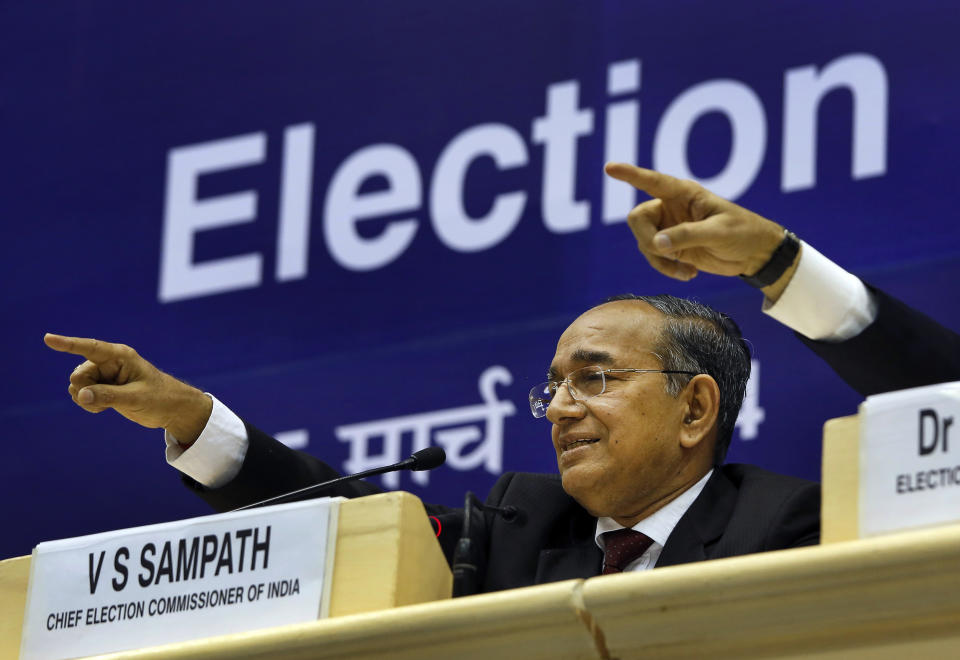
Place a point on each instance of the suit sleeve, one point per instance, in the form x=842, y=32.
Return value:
x=270, y=468
x=902, y=348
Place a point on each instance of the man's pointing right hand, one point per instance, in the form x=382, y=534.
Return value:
x=115, y=376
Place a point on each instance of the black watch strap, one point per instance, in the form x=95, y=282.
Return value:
x=780, y=261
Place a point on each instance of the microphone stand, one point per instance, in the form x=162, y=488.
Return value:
x=466, y=562
x=425, y=459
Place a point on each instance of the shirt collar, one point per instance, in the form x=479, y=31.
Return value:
x=661, y=522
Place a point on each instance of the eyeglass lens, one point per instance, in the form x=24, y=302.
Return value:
x=583, y=384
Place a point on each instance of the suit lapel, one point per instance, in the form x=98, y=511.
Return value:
x=691, y=540
x=702, y=524
x=577, y=557
x=582, y=561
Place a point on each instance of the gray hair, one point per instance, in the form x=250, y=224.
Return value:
x=700, y=339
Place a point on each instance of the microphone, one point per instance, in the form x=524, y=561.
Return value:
x=425, y=459
x=467, y=559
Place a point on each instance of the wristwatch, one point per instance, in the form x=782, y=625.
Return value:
x=779, y=262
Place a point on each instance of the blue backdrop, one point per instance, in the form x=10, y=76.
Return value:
x=364, y=226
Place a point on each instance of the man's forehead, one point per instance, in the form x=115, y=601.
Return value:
x=627, y=320
x=581, y=355
x=608, y=334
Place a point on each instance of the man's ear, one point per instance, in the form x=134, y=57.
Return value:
x=702, y=406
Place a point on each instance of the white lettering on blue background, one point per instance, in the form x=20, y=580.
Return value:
x=185, y=216
x=560, y=132
x=455, y=228
x=346, y=207
x=804, y=88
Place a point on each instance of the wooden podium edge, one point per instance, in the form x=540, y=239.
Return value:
x=884, y=597
x=386, y=555
x=14, y=578
x=840, y=474
x=855, y=599
x=532, y=622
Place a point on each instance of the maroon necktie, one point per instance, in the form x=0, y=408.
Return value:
x=622, y=547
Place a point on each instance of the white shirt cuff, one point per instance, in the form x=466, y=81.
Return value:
x=217, y=455
x=823, y=301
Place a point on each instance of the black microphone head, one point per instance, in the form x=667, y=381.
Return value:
x=429, y=458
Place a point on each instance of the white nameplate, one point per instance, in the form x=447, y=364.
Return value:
x=910, y=459
x=180, y=580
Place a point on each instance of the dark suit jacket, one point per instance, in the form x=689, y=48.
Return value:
x=742, y=509
x=902, y=348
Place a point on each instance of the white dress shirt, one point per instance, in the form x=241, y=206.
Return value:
x=823, y=301
x=657, y=526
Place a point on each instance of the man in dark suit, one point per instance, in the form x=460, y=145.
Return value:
x=642, y=395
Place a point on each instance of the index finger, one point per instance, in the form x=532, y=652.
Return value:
x=651, y=182
x=92, y=349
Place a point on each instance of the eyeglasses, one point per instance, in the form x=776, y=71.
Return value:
x=582, y=384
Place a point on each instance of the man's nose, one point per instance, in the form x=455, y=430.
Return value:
x=564, y=406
